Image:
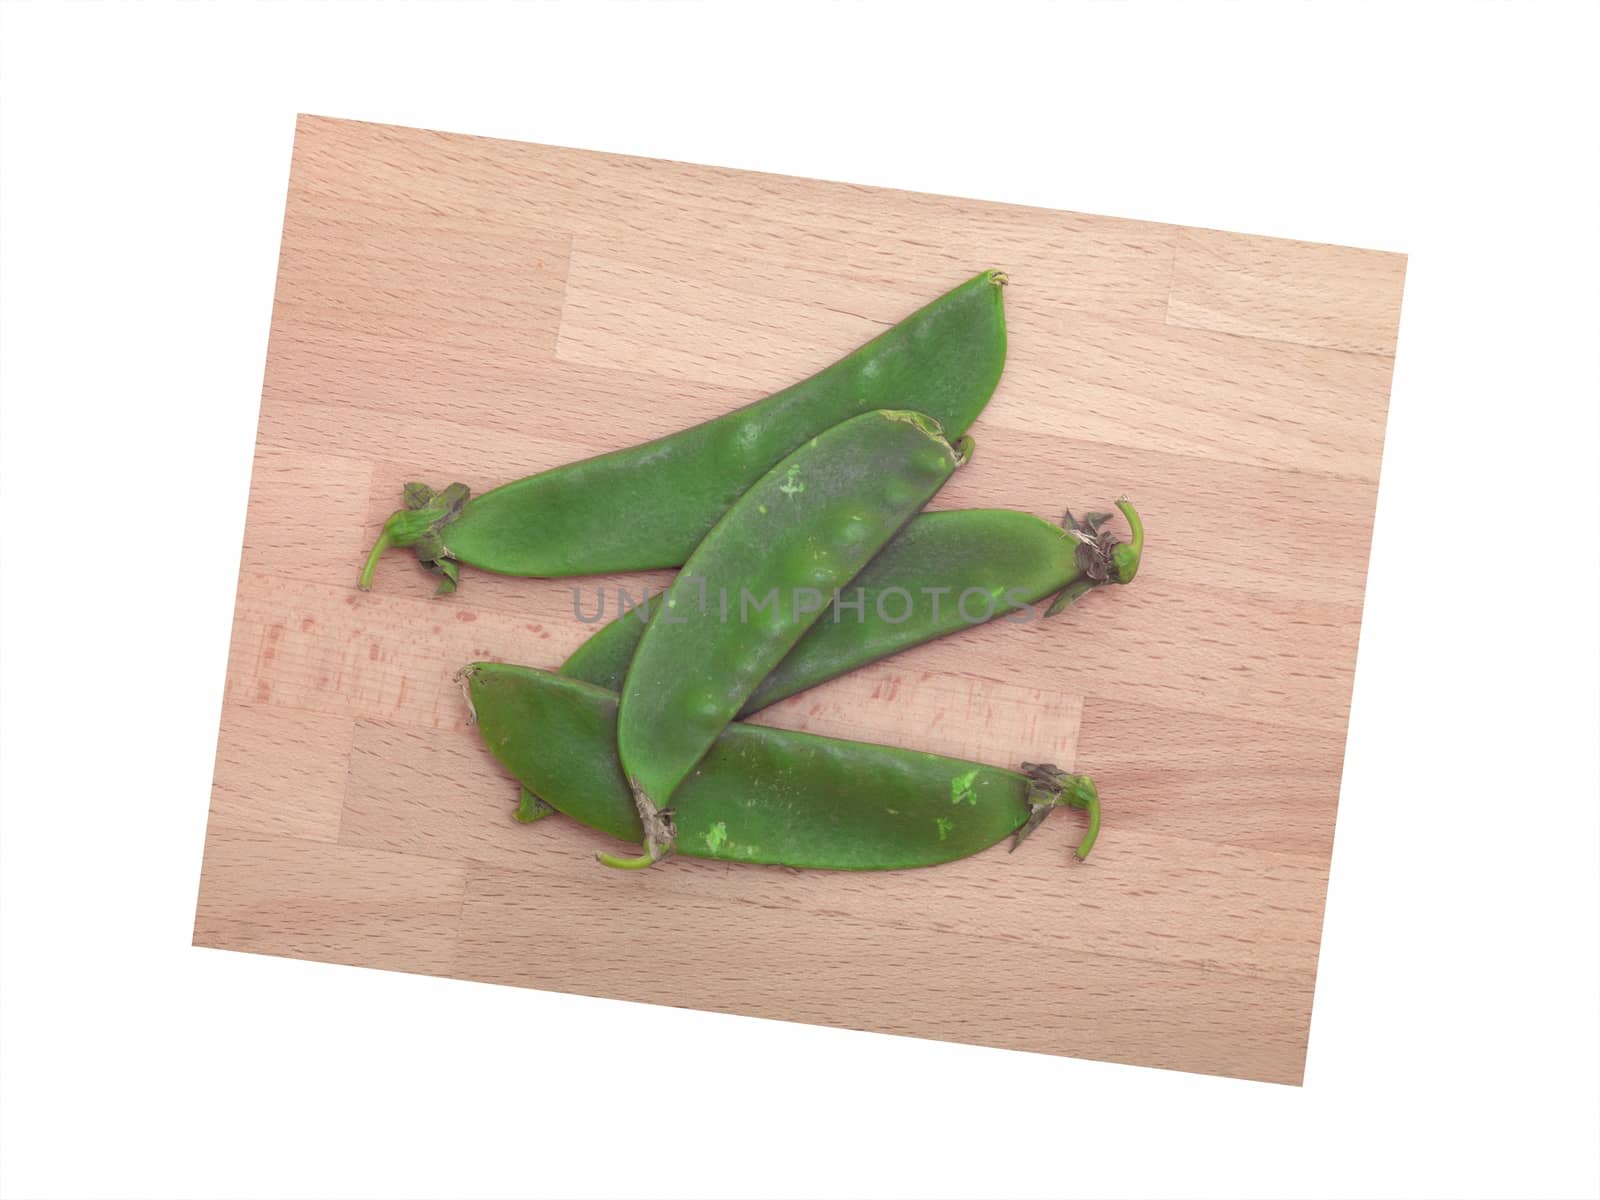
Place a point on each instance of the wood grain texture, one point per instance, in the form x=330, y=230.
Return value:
x=1330, y=296
x=452, y=307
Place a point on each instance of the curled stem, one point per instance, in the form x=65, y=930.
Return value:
x=1087, y=844
x=1101, y=557
x=385, y=540
x=418, y=524
x=1049, y=787
x=625, y=864
x=1125, y=557
x=660, y=835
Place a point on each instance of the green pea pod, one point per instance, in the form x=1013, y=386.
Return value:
x=650, y=505
x=764, y=795
x=758, y=581
x=944, y=572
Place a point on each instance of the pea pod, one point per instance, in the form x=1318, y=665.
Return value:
x=805, y=528
x=944, y=572
x=648, y=506
x=764, y=795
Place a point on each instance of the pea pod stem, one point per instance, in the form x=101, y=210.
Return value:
x=638, y=863
x=418, y=524
x=1127, y=556
x=659, y=835
x=1087, y=844
x=1102, y=558
x=384, y=542
x=1050, y=787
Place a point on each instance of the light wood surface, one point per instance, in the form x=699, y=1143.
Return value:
x=460, y=308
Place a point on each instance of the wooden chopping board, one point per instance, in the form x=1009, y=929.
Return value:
x=457, y=308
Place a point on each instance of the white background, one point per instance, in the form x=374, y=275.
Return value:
x=1454, y=1044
